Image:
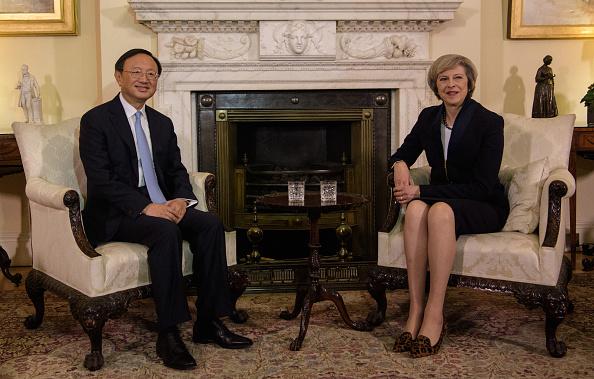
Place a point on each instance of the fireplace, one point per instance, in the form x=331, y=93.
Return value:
x=331, y=67
x=262, y=139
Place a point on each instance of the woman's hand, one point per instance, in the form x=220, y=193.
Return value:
x=404, y=191
x=407, y=193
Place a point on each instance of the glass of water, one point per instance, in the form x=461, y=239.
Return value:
x=296, y=189
x=328, y=191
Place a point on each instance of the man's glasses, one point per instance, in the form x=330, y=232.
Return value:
x=137, y=74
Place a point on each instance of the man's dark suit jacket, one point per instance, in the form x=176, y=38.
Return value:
x=475, y=151
x=109, y=157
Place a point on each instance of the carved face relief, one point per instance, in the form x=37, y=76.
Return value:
x=297, y=37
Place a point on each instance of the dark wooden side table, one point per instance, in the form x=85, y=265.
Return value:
x=315, y=292
x=10, y=163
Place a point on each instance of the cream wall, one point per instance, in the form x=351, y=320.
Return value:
x=76, y=73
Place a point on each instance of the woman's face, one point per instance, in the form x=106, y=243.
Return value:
x=452, y=86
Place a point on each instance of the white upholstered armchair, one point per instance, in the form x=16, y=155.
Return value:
x=527, y=257
x=100, y=282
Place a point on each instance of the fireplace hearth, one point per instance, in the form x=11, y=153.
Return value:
x=263, y=139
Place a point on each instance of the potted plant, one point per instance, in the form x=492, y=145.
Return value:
x=588, y=101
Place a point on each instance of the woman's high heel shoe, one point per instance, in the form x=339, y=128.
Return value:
x=403, y=342
x=421, y=347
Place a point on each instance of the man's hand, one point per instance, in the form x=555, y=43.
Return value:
x=173, y=210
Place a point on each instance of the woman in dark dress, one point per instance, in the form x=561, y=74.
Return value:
x=463, y=143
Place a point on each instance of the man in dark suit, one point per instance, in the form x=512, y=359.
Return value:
x=138, y=191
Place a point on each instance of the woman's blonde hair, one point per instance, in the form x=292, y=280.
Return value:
x=447, y=62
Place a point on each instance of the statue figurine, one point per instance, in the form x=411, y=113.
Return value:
x=544, y=104
x=30, y=98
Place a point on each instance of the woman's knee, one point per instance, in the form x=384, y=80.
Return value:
x=416, y=210
x=440, y=213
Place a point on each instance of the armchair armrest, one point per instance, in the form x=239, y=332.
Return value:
x=56, y=199
x=203, y=186
x=47, y=194
x=419, y=175
x=559, y=185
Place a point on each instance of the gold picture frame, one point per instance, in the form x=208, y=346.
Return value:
x=537, y=19
x=38, y=17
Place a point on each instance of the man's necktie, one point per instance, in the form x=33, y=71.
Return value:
x=146, y=162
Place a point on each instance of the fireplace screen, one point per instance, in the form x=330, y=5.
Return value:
x=256, y=142
x=274, y=153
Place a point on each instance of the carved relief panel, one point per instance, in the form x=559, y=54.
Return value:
x=298, y=40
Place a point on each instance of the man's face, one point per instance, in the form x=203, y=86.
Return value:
x=134, y=84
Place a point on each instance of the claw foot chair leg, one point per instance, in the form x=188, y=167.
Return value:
x=556, y=348
x=36, y=292
x=379, y=280
x=377, y=289
x=238, y=282
x=94, y=360
x=556, y=307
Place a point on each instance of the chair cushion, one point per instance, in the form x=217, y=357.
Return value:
x=524, y=187
x=125, y=265
x=511, y=256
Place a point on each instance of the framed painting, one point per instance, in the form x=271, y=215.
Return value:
x=37, y=17
x=545, y=19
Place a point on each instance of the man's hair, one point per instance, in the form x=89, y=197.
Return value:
x=119, y=65
x=447, y=62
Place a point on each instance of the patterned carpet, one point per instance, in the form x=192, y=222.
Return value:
x=489, y=336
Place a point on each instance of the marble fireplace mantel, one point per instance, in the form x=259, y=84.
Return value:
x=244, y=45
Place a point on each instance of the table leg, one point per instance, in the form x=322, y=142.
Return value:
x=299, y=301
x=316, y=292
x=5, y=266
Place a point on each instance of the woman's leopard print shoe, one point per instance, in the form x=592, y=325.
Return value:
x=403, y=342
x=421, y=347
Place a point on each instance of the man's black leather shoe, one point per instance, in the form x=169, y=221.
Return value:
x=215, y=331
x=173, y=351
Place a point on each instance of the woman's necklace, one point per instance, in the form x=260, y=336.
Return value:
x=444, y=122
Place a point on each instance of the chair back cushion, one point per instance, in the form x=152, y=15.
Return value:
x=50, y=152
x=528, y=140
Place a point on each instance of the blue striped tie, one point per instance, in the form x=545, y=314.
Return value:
x=146, y=162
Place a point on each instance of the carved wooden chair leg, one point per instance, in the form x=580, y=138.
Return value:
x=376, y=287
x=556, y=306
x=238, y=282
x=5, y=267
x=92, y=323
x=36, y=292
x=556, y=348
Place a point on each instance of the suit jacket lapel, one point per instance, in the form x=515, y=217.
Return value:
x=120, y=123
x=156, y=146
x=436, y=134
x=461, y=123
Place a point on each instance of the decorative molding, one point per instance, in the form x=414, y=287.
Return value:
x=202, y=26
x=366, y=47
x=405, y=65
x=378, y=26
x=225, y=47
x=271, y=10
